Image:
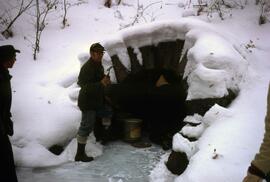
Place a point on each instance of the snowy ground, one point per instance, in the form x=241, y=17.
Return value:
x=45, y=114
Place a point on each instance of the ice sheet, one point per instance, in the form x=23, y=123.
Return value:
x=120, y=162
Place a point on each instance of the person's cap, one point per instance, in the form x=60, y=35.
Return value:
x=97, y=47
x=7, y=52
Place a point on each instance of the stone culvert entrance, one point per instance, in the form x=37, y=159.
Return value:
x=140, y=58
x=161, y=108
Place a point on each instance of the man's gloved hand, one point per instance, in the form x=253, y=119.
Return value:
x=252, y=178
x=9, y=128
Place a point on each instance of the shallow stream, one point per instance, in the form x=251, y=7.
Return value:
x=120, y=162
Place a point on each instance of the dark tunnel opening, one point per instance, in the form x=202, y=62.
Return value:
x=163, y=108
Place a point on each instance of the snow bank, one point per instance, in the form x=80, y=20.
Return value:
x=213, y=66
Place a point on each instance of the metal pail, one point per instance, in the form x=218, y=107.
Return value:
x=132, y=129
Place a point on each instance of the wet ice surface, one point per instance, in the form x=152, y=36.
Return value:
x=120, y=162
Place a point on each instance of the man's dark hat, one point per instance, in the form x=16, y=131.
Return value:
x=97, y=47
x=7, y=52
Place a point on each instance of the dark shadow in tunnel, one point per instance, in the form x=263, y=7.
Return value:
x=161, y=108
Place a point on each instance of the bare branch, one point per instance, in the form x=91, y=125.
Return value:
x=41, y=15
x=7, y=32
x=140, y=13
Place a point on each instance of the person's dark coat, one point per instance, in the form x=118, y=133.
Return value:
x=91, y=96
x=8, y=172
x=5, y=102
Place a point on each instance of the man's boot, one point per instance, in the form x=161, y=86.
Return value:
x=80, y=155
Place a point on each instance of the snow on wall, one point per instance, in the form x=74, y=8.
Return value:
x=213, y=63
x=182, y=144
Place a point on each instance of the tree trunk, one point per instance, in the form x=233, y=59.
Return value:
x=65, y=14
x=108, y=3
x=36, y=46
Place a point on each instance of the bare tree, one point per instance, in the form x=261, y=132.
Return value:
x=221, y=7
x=65, y=6
x=36, y=46
x=7, y=32
x=41, y=15
x=108, y=3
x=141, y=12
x=215, y=5
x=264, y=11
x=64, y=21
x=200, y=6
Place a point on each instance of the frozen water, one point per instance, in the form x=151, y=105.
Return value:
x=120, y=162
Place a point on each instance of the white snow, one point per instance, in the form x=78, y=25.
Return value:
x=45, y=91
x=213, y=65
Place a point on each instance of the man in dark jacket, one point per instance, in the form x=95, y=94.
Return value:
x=91, y=98
x=7, y=59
